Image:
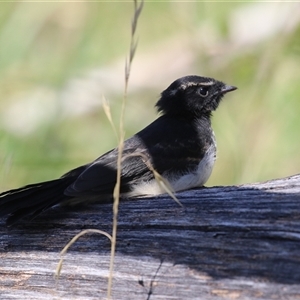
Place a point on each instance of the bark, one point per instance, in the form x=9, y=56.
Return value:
x=233, y=242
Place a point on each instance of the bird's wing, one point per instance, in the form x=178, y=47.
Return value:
x=163, y=146
x=99, y=178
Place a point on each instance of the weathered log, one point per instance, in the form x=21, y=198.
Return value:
x=233, y=242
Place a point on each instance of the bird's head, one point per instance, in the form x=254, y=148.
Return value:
x=192, y=96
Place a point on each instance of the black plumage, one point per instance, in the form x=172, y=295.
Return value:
x=179, y=145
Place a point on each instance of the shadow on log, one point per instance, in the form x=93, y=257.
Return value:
x=233, y=242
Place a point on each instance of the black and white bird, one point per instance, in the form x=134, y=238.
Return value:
x=180, y=145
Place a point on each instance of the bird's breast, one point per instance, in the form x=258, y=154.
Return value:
x=191, y=178
x=197, y=176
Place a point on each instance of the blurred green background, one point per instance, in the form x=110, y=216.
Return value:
x=57, y=60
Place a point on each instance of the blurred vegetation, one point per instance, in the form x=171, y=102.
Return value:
x=46, y=46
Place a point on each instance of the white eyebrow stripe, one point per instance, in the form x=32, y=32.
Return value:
x=209, y=83
x=185, y=86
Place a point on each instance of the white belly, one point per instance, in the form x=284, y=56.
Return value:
x=195, y=178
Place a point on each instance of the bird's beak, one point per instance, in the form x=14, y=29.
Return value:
x=227, y=89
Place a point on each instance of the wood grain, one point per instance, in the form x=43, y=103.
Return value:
x=233, y=242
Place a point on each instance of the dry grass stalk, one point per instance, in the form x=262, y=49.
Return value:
x=73, y=240
x=116, y=194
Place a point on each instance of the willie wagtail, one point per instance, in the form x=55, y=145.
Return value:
x=180, y=145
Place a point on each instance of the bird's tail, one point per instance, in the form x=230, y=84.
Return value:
x=33, y=199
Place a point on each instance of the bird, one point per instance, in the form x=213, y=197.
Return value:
x=179, y=145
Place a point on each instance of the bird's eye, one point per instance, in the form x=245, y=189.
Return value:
x=203, y=91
